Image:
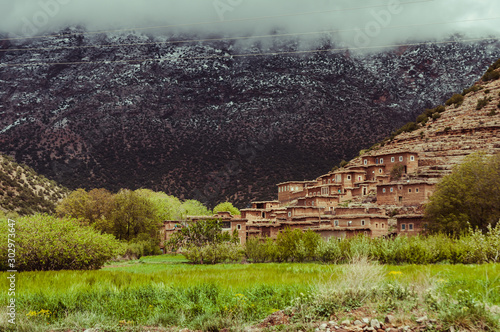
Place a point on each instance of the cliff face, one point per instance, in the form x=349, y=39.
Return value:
x=212, y=129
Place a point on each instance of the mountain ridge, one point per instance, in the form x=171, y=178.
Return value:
x=214, y=129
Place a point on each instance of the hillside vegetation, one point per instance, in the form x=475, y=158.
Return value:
x=24, y=191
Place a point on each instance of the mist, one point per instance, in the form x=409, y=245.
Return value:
x=350, y=23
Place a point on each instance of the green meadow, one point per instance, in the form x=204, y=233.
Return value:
x=166, y=291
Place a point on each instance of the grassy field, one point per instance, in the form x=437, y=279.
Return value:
x=165, y=291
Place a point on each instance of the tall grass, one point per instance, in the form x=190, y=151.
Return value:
x=472, y=248
x=161, y=292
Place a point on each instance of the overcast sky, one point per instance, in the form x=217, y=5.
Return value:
x=374, y=17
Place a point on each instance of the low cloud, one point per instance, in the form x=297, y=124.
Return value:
x=379, y=22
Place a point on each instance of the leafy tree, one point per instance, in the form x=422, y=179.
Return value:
x=166, y=207
x=76, y=205
x=192, y=207
x=470, y=196
x=227, y=207
x=93, y=207
x=46, y=242
x=133, y=215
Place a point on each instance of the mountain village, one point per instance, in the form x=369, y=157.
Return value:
x=383, y=191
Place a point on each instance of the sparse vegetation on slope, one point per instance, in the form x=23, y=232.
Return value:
x=25, y=192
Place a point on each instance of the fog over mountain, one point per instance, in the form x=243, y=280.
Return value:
x=382, y=22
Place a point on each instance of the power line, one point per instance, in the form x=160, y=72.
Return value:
x=244, y=55
x=239, y=38
x=214, y=22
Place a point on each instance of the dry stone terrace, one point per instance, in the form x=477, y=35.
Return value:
x=384, y=189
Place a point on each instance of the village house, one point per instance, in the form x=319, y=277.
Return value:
x=379, y=183
x=410, y=224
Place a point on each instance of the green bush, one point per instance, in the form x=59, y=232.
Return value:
x=491, y=75
x=45, y=243
x=137, y=249
x=214, y=253
x=456, y=99
x=483, y=102
x=259, y=250
x=473, y=88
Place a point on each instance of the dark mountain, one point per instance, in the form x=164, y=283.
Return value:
x=216, y=128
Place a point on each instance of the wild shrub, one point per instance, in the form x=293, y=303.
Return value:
x=407, y=128
x=255, y=250
x=473, y=88
x=397, y=171
x=71, y=245
x=491, y=75
x=214, y=253
x=456, y=99
x=329, y=251
x=483, y=102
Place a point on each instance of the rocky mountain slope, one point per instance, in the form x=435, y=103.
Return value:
x=24, y=191
x=212, y=129
x=471, y=125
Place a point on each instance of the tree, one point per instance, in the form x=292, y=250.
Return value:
x=227, y=207
x=166, y=207
x=192, y=207
x=93, y=207
x=469, y=197
x=133, y=215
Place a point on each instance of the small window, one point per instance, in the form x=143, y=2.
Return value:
x=376, y=161
x=380, y=170
x=409, y=190
x=350, y=222
x=226, y=224
x=312, y=203
x=382, y=225
x=376, y=225
x=289, y=213
x=403, y=227
x=336, y=223
x=348, y=177
x=381, y=160
x=392, y=189
x=366, y=161
x=400, y=158
x=416, y=190
x=362, y=222
x=410, y=227
x=412, y=158
x=383, y=190
x=392, y=159
x=238, y=226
